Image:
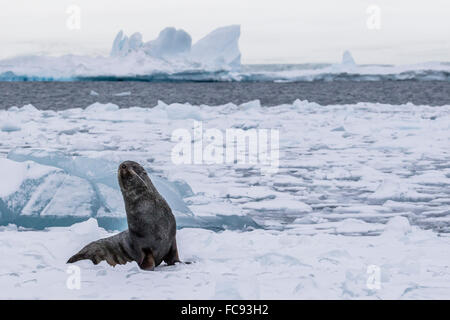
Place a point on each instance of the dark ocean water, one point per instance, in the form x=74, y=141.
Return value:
x=65, y=95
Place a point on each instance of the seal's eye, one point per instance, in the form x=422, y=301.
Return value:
x=124, y=166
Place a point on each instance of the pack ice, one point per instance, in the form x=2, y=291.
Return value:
x=356, y=187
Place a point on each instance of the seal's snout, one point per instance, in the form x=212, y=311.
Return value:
x=123, y=170
x=125, y=167
x=124, y=174
x=131, y=175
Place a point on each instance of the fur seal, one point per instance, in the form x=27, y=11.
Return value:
x=150, y=238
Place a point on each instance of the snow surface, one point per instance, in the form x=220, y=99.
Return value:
x=357, y=185
x=260, y=264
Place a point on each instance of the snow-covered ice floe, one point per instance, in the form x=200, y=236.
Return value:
x=45, y=189
x=359, y=206
x=403, y=262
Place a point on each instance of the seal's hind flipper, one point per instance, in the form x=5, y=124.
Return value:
x=148, y=261
x=114, y=250
x=172, y=256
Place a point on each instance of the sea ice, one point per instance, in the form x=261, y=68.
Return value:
x=102, y=107
x=281, y=206
x=384, y=161
x=8, y=126
x=96, y=171
x=407, y=263
x=69, y=188
x=122, y=94
x=343, y=203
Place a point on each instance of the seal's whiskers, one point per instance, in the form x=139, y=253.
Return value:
x=134, y=173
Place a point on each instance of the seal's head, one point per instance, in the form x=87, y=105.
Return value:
x=132, y=177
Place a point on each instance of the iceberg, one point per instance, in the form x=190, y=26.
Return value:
x=171, y=56
x=220, y=47
x=347, y=59
x=123, y=45
x=170, y=42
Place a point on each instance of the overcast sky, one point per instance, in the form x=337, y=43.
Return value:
x=276, y=31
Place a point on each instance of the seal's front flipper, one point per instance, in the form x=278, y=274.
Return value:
x=114, y=250
x=172, y=256
x=148, y=262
